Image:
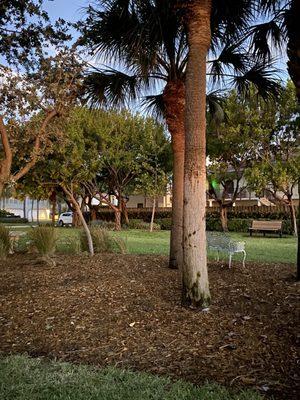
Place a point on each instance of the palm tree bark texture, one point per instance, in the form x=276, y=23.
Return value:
x=195, y=286
x=174, y=99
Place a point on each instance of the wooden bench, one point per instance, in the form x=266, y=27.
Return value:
x=266, y=226
x=221, y=242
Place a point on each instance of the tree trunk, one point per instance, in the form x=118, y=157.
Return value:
x=174, y=100
x=76, y=217
x=24, y=208
x=38, y=212
x=124, y=211
x=81, y=217
x=293, y=218
x=195, y=286
x=117, y=219
x=224, y=219
x=93, y=213
x=32, y=204
x=153, y=214
x=53, y=212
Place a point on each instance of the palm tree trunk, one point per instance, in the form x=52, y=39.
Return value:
x=195, y=286
x=174, y=100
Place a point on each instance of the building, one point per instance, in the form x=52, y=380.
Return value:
x=27, y=208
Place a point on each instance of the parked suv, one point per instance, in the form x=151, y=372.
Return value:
x=65, y=218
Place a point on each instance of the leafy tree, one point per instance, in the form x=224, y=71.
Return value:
x=126, y=151
x=149, y=39
x=74, y=162
x=25, y=31
x=276, y=166
x=232, y=145
x=29, y=103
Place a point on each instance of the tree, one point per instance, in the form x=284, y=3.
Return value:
x=231, y=147
x=127, y=146
x=73, y=163
x=150, y=41
x=25, y=32
x=29, y=103
x=275, y=168
x=153, y=182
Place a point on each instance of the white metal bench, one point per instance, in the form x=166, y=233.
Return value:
x=222, y=243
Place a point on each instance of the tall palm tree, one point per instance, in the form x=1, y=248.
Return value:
x=149, y=39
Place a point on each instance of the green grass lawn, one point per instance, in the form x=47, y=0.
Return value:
x=260, y=249
x=22, y=378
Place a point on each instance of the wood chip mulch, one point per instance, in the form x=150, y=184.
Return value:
x=124, y=310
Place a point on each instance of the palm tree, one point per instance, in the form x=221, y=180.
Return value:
x=150, y=41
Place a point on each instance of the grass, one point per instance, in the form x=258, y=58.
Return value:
x=23, y=378
x=259, y=249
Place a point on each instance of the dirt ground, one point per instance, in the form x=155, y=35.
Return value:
x=125, y=311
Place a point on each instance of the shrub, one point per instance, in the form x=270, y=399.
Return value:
x=140, y=224
x=103, y=241
x=43, y=238
x=109, y=225
x=13, y=220
x=4, y=241
x=165, y=223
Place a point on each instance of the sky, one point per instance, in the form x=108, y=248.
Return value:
x=70, y=10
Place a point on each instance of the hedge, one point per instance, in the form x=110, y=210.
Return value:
x=145, y=214
x=13, y=220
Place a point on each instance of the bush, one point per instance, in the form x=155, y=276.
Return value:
x=109, y=225
x=13, y=220
x=43, y=238
x=140, y=224
x=165, y=223
x=103, y=241
x=4, y=241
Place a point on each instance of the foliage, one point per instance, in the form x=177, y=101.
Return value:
x=26, y=31
x=103, y=242
x=164, y=223
x=33, y=107
x=43, y=238
x=140, y=224
x=132, y=34
x=4, y=241
x=109, y=225
x=4, y=213
x=13, y=220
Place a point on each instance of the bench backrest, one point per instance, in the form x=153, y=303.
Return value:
x=276, y=225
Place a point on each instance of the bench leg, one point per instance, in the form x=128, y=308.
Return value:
x=244, y=258
x=230, y=257
x=218, y=255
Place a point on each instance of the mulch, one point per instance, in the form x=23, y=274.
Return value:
x=124, y=310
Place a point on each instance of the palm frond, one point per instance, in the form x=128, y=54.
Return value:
x=110, y=87
x=263, y=77
x=265, y=35
x=155, y=105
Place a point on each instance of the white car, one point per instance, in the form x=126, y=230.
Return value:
x=65, y=218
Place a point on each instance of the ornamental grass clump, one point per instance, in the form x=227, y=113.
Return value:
x=4, y=242
x=103, y=241
x=43, y=238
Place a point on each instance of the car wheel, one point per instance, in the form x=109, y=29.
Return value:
x=60, y=223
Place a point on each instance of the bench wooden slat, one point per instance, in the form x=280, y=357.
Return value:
x=266, y=226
